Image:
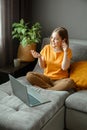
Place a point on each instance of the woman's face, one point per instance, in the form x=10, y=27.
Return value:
x=56, y=40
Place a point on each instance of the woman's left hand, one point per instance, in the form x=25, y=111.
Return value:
x=64, y=46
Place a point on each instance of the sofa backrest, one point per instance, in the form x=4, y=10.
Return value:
x=45, y=41
x=79, y=49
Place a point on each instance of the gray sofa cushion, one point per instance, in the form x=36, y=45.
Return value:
x=79, y=49
x=76, y=120
x=16, y=115
x=77, y=101
x=79, y=52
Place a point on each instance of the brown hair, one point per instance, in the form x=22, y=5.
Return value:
x=63, y=33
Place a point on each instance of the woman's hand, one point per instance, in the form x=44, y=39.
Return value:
x=35, y=54
x=66, y=60
x=64, y=46
x=40, y=58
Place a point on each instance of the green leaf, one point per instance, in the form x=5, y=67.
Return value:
x=25, y=34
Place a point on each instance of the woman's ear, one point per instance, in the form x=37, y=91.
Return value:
x=65, y=40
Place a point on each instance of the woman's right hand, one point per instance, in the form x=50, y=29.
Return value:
x=35, y=54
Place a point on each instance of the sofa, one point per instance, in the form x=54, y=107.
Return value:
x=66, y=111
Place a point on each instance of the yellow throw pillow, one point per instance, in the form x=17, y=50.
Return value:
x=78, y=72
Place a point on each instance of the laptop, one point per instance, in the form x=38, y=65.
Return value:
x=30, y=97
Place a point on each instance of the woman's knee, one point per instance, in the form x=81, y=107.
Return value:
x=70, y=82
x=29, y=75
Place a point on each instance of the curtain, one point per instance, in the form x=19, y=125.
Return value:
x=6, y=52
x=2, y=33
x=9, y=13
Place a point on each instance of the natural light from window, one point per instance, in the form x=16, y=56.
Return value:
x=2, y=19
x=0, y=23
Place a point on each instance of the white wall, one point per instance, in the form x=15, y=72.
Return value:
x=71, y=14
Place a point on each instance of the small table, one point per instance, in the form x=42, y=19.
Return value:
x=15, y=71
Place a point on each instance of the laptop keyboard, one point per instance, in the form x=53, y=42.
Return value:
x=33, y=100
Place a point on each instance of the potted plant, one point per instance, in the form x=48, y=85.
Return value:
x=28, y=38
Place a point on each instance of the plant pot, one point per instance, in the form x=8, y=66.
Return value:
x=24, y=53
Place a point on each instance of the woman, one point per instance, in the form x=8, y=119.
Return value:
x=54, y=58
